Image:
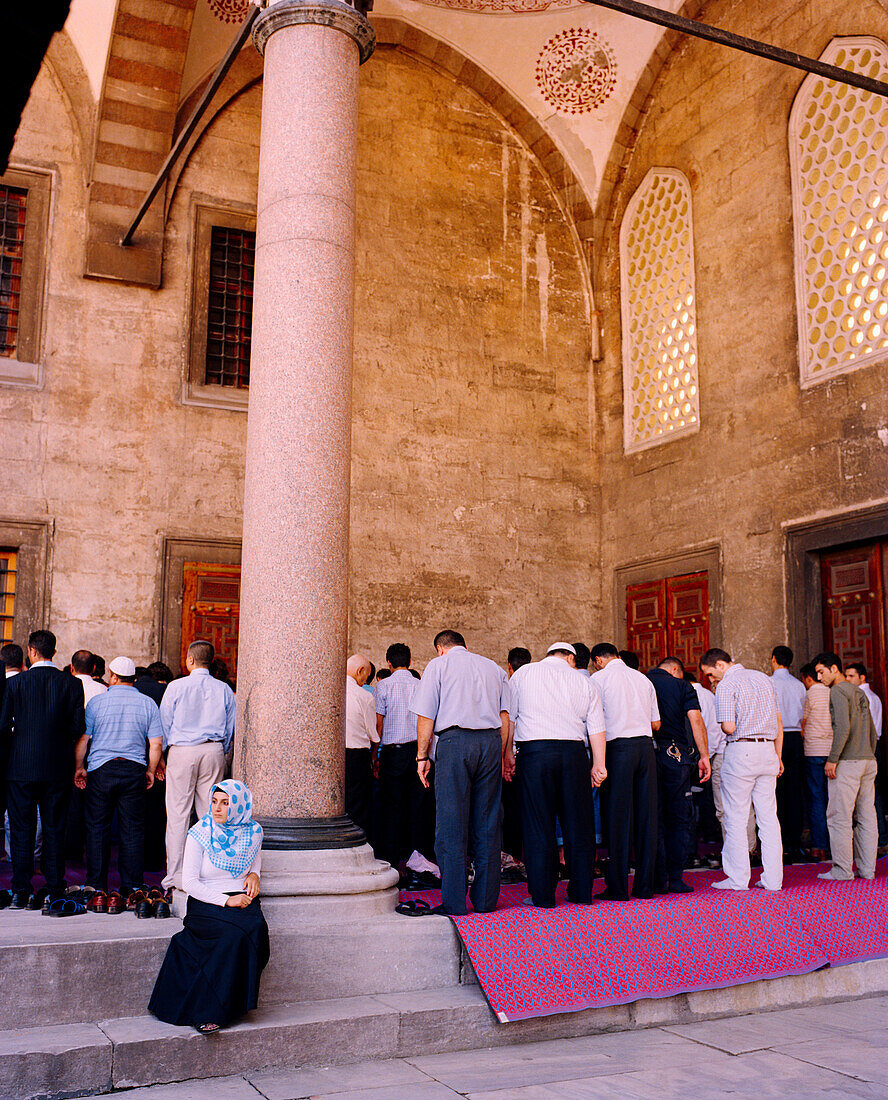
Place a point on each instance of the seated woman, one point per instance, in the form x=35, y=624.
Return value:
x=210, y=975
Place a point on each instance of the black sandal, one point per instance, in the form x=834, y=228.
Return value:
x=207, y=1029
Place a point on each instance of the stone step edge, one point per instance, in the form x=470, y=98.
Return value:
x=68, y=1059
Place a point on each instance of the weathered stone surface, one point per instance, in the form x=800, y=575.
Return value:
x=66, y=1060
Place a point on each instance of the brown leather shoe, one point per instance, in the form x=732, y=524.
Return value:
x=116, y=904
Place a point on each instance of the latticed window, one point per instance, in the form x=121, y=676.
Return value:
x=230, y=307
x=13, y=201
x=658, y=297
x=838, y=138
x=8, y=560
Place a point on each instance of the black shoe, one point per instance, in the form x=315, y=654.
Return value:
x=5, y=898
x=680, y=888
x=609, y=897
x=36, y=901
x=428, y=880
x=49, y=899
x=19, y=900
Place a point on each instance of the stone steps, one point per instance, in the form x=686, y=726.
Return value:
x=66, y=1060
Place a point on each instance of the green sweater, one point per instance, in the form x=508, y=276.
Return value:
x=854, y=735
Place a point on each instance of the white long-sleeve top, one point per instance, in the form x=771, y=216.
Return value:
x=204, y=881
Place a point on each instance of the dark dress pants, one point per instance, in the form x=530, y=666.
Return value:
x=468, y=801
x=359, y=787
x=116, y=785
x=791, y=791
x=404, y=811
x=631, y=801
x=554, y=780
x=675, y=805
x=24, y=798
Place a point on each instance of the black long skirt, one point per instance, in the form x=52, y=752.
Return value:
x=211, y=971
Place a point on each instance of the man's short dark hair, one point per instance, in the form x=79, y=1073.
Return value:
x=710, y=657
x=12, y=655
x=629, y=659
x=808, y=670
x=859, y=668
x=383, y=674
x=672, y=662
x=125, y=679
x=415, y=674
x=398, y=655
x=82, y=662
x=582, y=656
x=202, y=653
x=141, y=672
x=44, y=642
x=160, y=672
x=829, y=660
x=518, y=656
x=604, y=649
x=98, y=668
x=446, y=639
x=782, y=654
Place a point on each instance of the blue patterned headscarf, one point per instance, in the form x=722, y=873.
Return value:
x=233, y=846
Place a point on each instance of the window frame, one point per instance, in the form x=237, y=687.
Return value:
x=25, y=369
x=195, y=390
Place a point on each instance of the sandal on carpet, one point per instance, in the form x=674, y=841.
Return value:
x=65, y=907
x=207, y=1029
x=419, y=908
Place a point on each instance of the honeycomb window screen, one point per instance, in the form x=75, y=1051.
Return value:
x=658, y=300
x=838, y=141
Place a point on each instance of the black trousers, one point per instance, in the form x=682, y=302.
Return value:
x=406, y=807
x=675, y=806
x=359, y=787
x=631, y=810
x=117, y=785
x=791, y=787
x=24, y=798
x=554, y=780
x=468, y=822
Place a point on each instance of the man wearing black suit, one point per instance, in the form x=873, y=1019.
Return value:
x=40, y=723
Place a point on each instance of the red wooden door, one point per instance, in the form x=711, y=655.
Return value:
x=854, y=609
x=669, y=618
x=211, y=609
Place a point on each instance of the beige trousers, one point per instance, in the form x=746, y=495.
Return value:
x=716, y=761
x=851, y=819
x=191, y=772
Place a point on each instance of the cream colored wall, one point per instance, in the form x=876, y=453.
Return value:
x=767, y=454
x=472, y=477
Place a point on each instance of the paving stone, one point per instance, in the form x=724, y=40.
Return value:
x=759, y=1031
x=289, y=1084
x=51, y=1061
x=215, y=1088
x=864, y=1057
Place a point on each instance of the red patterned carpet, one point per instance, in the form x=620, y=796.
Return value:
x=537, y=962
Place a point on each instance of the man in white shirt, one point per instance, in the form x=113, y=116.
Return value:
x=361, y=741
x=197, y=713
x=791, y=786
x=630, y=717
x=81, y=669
x=554, y=712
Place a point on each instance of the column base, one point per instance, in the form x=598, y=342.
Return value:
x=323, y=885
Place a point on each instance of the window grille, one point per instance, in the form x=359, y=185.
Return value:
x=838, y=139
x=658, y=300
x=8, y=560
x=13, y=201
x=230, y=306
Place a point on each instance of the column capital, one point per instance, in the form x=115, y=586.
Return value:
x=325, y=13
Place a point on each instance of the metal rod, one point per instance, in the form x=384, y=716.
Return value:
x=191, y=125
x=747, y=45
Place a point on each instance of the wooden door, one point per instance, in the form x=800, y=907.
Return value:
x=854, y=608
x=669, y=618
x=211, y=609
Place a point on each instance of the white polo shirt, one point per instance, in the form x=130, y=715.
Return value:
x=629, y=700
x=360, y=717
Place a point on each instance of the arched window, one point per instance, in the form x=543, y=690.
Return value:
x=838, y=142
x=660, y=388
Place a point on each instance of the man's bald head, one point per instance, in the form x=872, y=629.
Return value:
x=358, y=667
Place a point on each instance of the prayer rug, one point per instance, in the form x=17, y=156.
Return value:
x=538, y=962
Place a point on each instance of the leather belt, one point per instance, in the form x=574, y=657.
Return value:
x=737, y=740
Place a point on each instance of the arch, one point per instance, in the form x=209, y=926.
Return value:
x=64, y=62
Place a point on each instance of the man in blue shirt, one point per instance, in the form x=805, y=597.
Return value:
x=124, y=738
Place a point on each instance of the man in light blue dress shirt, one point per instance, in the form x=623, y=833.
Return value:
x=197, y=713
x=464, y=698
x=792, y=784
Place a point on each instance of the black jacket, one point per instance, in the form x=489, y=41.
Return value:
x=40, y=723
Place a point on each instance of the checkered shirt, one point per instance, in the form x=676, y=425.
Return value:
x=393, y=697
x=747, y=698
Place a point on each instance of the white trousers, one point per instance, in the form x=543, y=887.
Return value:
x=716, y=761
x=191, y=772
x=749, y=777
x=852, y=805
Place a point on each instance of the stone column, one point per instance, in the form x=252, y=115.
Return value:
x=294, y=593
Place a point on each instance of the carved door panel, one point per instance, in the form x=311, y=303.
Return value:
x=211, y=609
x=854, y=608
x=687, y=607
x=646, y=621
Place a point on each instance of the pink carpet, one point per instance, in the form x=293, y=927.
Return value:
x=537, y=962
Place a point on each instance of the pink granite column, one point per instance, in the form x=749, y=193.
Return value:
x=294, y=593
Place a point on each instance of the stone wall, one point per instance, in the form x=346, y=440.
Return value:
x=473, y=485
x=767, y=454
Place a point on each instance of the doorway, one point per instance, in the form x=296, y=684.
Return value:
x=669, y=618
x=211, y=609
x=853, y=589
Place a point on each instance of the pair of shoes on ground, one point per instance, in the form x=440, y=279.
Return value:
x=419, y=908
x=149, y=902
x=419, y=880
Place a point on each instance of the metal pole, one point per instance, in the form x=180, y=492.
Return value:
x=191, y=125
x=746, y=45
